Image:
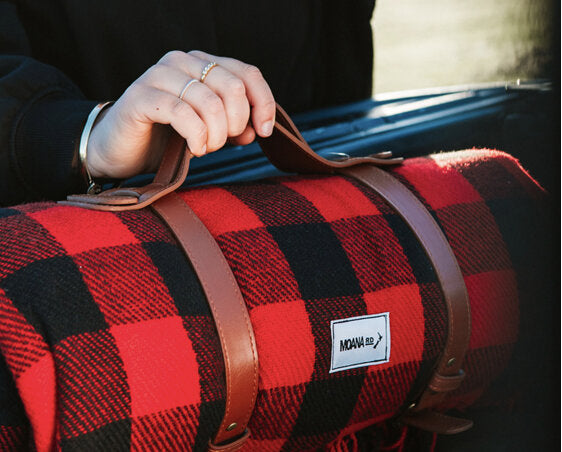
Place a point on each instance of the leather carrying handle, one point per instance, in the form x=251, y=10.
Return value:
x=286, y=149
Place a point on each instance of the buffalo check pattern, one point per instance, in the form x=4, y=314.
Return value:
x=107, y=342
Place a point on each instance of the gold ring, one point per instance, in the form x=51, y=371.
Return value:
x=187, y=85
x=206, y=71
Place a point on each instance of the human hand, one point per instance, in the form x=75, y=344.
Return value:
x=129, y=137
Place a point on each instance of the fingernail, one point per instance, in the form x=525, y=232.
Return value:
x=204, y=149
x=267, y=128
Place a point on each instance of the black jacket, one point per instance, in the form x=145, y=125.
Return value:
x=59, y=58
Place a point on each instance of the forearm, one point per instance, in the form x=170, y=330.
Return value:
x=41, y=116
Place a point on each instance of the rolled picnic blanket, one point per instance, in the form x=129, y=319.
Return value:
x=108, y=342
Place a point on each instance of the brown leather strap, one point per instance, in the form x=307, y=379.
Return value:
x=230, y=315
x=286, y=149
x=448, y=374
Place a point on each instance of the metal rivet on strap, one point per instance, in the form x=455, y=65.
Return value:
x=231, y=426
x=451, y=362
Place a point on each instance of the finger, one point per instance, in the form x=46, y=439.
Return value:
x=232, y=91
x=208, y=105
x=246, y=137
x=211, y=110
x=152, y=105
x=258, y=91
x=224, y=83
x=166, y=78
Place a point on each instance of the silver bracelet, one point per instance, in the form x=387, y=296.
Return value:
x=93, y=187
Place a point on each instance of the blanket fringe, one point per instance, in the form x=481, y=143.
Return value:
x=347, y=443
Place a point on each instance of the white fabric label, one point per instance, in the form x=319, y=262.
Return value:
x=360, y=341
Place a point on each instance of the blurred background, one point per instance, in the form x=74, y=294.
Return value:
x=430, y=43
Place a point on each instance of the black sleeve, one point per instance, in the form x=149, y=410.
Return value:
x=41, y=117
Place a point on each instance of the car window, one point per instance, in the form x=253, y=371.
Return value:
x=432, y=43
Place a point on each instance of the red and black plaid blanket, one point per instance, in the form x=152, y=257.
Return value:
x=107, y=342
